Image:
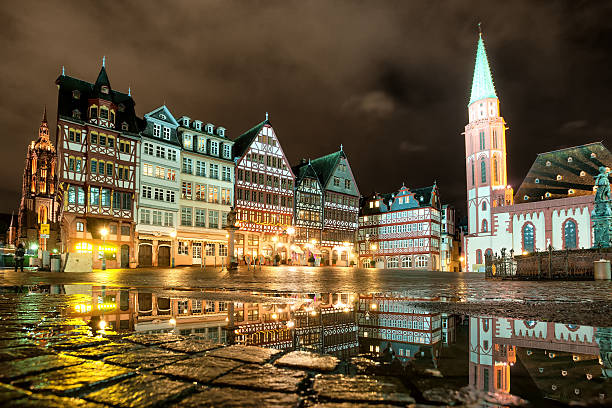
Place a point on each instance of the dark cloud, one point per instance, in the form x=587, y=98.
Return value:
x=389, y=80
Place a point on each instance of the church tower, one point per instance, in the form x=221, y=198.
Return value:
x=485, y=150
x=40, y=203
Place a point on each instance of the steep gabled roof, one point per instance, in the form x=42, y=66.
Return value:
x=303, y=170
x=424, y=196
x=242, y=142
x=482, y=83
x=325, y=166
x=554, y=174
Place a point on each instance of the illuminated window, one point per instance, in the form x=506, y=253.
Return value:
x=103, y=112
x=495, y=170
x=528, y=237
x=485, y=226
x=569, y=234
x=559, y=177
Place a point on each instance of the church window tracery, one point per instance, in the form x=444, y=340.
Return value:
x=483, y=172
x=570, y=234
x=528, y=237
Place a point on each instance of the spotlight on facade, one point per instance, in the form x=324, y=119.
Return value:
x=274, y=316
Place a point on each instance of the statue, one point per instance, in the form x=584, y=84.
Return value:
x=602, y=214
x=231, y=217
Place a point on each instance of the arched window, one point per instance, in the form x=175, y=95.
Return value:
x=42, y=214
x=479, y=256
x=569, y=234
x=407, y=262
x=392, y=263
x=489, y=253
x=473, y=174
x=485, y=226
x=484, y=206
x=495, y=170
x=483, y=172
x=528, y=238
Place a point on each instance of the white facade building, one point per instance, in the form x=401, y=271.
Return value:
x=158, y=182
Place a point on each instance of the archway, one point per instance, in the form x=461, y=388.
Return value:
x=163, y=256
x=145, y=255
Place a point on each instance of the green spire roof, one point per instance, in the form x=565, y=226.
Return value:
x=482, y=84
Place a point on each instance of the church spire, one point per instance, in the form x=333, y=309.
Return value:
x=482, y=84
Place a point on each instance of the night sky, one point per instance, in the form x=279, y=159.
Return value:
x=388, y=80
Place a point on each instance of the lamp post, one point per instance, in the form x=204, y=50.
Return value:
x=173, y=236
x=103, y=233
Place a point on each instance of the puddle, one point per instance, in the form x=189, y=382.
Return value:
x=446, y=356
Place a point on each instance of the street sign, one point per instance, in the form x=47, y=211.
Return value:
x=44, y=230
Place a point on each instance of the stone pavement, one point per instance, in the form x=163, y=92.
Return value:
x=49, y=359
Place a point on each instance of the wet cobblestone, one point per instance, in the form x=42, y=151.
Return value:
x=145, y=359
x=267, y=378
x=236, y=398
x=247, y=354
x=141, y=391
x=201, y=369
x=308, y=361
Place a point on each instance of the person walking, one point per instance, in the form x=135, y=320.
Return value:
x=19, y=257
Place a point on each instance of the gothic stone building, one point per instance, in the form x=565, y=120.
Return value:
x=97, y=149
x=552, y=207
x=40, y=201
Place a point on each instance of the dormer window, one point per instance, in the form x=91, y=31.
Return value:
x=93, y=112
x=104, y=89
x=559, y=177
x=209, y=128
x=221, y=131
x=371, y=204
x=187, y=142
x=157, y=130
x=112, y=116
x=197, y=124
x=570, y=191
x=162, y=116
x=124, y=126
x=525, y=197
x=103, y=112
x=570, y=159
x=377, y=204
x=582, y=173
x=76, y=114
x=76, y=94
x=166, y=133
x=547, y=195
x=214, y=148
x=186, y=121
x=537, y=181
x=593, y=156
x=548, y=164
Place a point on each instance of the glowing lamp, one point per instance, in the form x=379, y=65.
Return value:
x=102, y=324
x=290, y=324
x=274, y=316
x=104, y=232
x=290, y=230
x=173, y=234
x=373, y=306
x=172, y=321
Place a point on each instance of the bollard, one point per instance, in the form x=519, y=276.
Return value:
x=601, y=269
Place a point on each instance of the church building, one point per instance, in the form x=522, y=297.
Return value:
x=40, y=209
x=552, y=206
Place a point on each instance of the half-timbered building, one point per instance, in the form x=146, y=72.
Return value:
x=391, y=325
x=40, y=200
x=206, y=196
x=308, y=216
x=264, y=194
x=401, y=229
x=341, y=207
x=97, y=148
x=158, y=181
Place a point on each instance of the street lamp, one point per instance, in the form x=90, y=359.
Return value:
x=173, y=236
x=104, y=233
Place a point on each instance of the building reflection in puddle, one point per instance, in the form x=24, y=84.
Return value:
x=533, y=359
